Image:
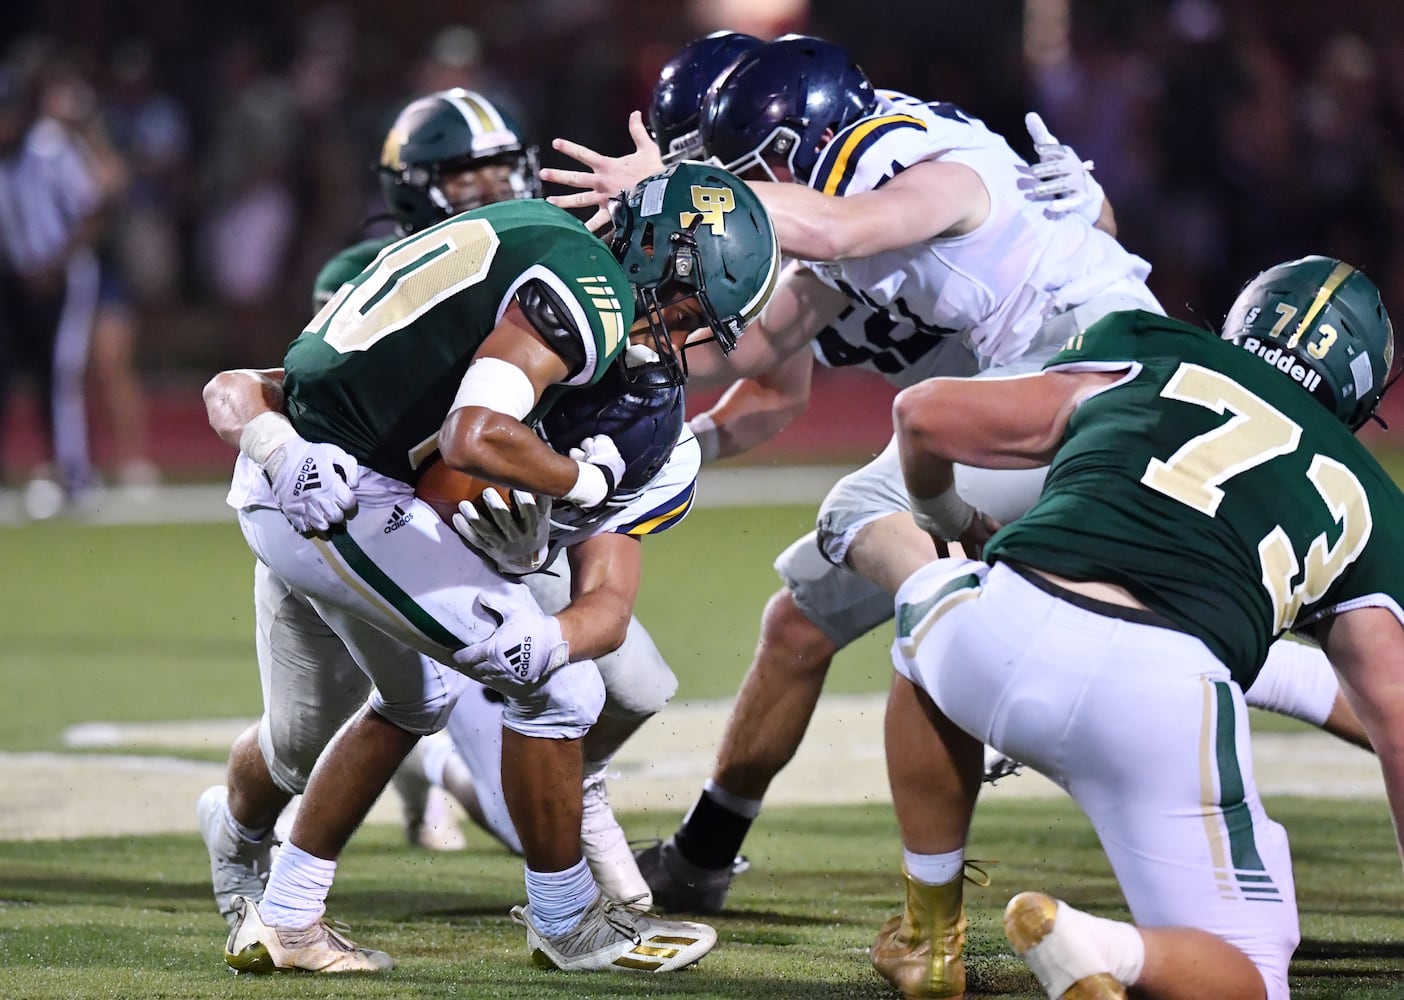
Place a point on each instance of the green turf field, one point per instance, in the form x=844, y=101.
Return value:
x=154, y=623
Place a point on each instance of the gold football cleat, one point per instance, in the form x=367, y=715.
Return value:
x=1029, y=923
x=919, y=952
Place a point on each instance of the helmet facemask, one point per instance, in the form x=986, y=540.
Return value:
x=679, y=277
x=781, y=145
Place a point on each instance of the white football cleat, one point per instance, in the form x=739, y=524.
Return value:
x=238, y=867
x=615, y=937
x=606, y=849
x=255, y=947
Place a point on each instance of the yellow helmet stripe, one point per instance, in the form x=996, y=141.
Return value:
x=477, y=111
x=1328, y=288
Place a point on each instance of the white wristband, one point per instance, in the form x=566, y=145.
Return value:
x=264, y=435
x=704, y=428
x=591, y=487
x=946, y=515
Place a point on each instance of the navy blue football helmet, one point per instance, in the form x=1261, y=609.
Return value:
x=640, y=408
x=777, y=102
x=682, y=86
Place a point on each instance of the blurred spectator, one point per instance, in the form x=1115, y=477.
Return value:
x=51, y=201
x=251, y=213
x=1228, y=133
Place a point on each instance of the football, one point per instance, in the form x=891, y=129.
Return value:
x=442, y=487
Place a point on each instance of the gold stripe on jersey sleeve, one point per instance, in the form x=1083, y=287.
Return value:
x=607, y=306
x=855, y=139
x=647, y=527
x=1328, y=288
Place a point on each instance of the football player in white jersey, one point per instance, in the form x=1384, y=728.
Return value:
x=656, y=493
x=919, y=211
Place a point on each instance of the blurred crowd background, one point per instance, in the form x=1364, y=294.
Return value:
x=231, y=145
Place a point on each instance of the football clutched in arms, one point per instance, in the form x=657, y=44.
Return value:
x=442, y=487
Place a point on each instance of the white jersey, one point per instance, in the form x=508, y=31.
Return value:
x=897, y=349
x=664, y=501
x=996, y=286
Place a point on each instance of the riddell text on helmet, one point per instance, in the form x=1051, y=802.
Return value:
x=1283, y=362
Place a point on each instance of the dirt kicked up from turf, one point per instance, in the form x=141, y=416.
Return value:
x=100, y=789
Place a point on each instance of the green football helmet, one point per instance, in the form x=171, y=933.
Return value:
x=1320, y=322
x=443, y=133
x=695, y=231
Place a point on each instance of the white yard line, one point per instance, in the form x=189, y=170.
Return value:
x=104, y=792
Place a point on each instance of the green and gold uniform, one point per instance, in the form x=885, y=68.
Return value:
x=377, y=369
x=1225, y=498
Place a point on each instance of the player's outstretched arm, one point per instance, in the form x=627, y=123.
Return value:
x=605, y=572
x=754, y=410
x=1366, y=646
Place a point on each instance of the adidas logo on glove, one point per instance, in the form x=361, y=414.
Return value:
x=519, y=657
x=307, y=477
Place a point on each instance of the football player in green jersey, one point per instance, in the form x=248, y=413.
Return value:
x=446, y=153
x=1204, y=496
x=456, y=339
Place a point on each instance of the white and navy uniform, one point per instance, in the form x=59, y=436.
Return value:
x=638, y=682
x=1012, y=291
x=312, y=682
x=47, y=192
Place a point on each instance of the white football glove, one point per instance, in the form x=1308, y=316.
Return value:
x=523, y=650
x=514, y=536
x=313, y=482
x=1065, y=179
x=601, y=468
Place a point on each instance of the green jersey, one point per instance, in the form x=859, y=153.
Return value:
x=1223, y=497
x=377, y=369
x=345, y=266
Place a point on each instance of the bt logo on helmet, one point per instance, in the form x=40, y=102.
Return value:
x=712, y=204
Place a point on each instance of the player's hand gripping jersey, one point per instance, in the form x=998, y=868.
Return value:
x=377, y=368
x=1246, y=509
x=995, y=286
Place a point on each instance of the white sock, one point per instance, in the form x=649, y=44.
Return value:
x=298, y=884
x=559, y=899
x=934, y=869
x=1119, y=943
x=243, y=832
x=750, y=808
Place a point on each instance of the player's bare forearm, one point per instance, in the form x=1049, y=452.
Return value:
x=754, y=410
x=1366, y=646
x=234, y=397
x=605, y=575
x=927, y=200
x=800, y=307
x=501, y=449
x=996, y=423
